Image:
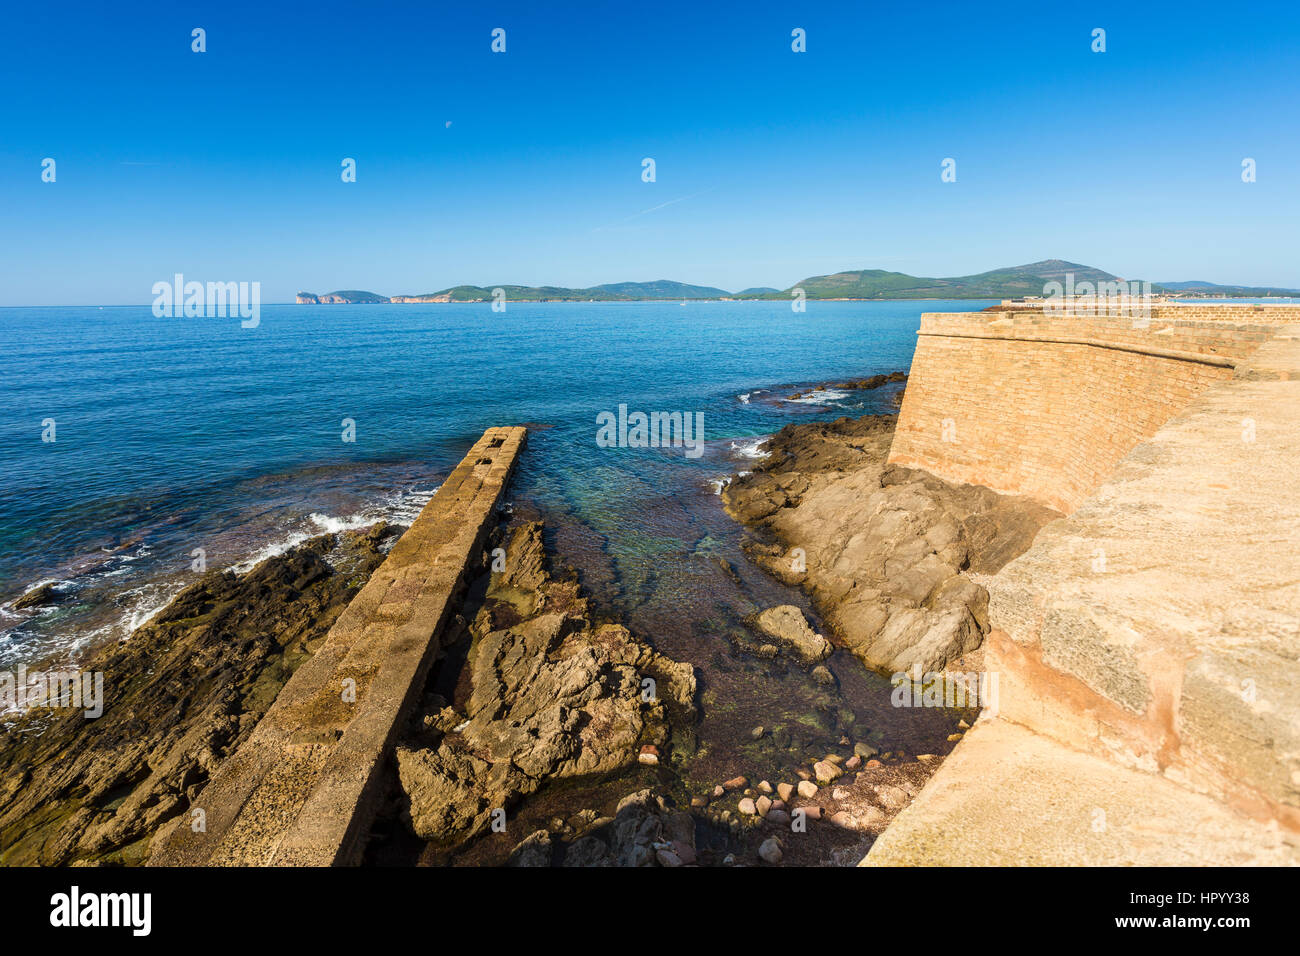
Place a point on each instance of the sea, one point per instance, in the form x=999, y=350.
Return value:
x=132, y=445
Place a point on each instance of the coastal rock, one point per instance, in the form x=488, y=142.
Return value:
x=180, y=695
x=886, y=550
x=535, y=850
x=38, y=596
x=551, y=696
x=822, y=675
x=787, y=624
x=642, y=832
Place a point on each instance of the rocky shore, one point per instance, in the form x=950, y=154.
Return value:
x=183, y=692
x=533, y=690
x=891, y=556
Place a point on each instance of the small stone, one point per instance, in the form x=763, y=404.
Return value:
x=853, y=763
x=767, y=651
x=735, y=783
x=762, y=805
x=825, y=772
x=668, y=858
x=926, y=758
x=747, y=807
x=807, y=789
x=649, y=755
x=784, y=790
x=812, y=811
x=962, y=725
x=804, y=774
x=874, y=764
x=891, y=797
x=779, y=817
x=822, y=675
x=835, y=759
x=764, y=786
x=718, y=791
x=845, y=820
x=839, y=793
x=685, y=852
x=778, y=804
x=844, y=741
x=699, y=801
x=870, y=816
x=757, y=732
x=769, y=851
x=864, y=750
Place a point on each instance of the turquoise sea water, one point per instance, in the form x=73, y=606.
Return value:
x=174, y=434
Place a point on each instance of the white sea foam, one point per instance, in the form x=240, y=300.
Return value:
x=750, y=449
x=744, y=399
x=401, y=507
x=821, y=396
x=137, y=606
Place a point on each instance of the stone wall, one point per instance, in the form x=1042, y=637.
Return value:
x=1146, y=648
x=1159, y=625
x=1042, y=405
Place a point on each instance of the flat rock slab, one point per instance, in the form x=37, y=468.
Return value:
x=1009, y=797
x=302, y=790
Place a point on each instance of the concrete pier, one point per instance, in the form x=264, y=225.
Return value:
x=303, y=789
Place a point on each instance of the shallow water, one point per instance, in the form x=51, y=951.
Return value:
x=180, y=434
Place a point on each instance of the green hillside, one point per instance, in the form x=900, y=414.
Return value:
x=662, y=289
x=1007, y=283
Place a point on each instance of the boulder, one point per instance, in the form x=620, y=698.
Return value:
x=787, y=624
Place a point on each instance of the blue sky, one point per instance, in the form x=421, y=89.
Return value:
x=771, y=165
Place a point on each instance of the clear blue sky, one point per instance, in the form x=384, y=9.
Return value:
x=772, y=166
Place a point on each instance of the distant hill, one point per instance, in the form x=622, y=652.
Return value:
x=612, y=292
x=1012, y=282
x=662, y=289
x=1213, y=288
x=1007, y=283
x=346, y=296
x=513, y=293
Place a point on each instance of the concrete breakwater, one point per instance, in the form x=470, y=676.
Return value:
x=303, y=788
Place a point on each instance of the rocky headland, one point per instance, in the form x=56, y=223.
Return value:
x=892, y=556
